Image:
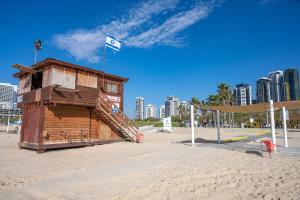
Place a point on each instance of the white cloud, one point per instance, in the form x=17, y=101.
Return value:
x=140, y=28
x=82, y=44
x=166, y=32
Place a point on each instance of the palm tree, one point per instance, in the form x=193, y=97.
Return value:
x=214, y=100
x=226, y=95
x=204, y=109
x=182, y=111
x=195, y=102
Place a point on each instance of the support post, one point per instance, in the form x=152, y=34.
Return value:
x=267, y=115
x=193, y=125
x=7, y=127
x=232, y=120
x=284, y=126
x=272, y=122
x=218, y=126
x=19, y=129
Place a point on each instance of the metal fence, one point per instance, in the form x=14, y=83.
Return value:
x=16, y=112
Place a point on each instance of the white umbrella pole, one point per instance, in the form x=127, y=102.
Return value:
x=192, y=125
x=272, y=122
x=218, y=126
x=284, y=127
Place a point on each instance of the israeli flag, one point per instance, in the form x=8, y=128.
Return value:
x=113, y=43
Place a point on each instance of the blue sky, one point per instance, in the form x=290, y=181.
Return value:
x=171, y=47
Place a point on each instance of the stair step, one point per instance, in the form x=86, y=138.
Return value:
x=114, y=121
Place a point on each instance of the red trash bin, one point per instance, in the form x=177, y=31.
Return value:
x=270, y=147
x=139, y=138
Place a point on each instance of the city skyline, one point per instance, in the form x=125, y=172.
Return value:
x=8, y=95
x=243, y=94
x=273, y=86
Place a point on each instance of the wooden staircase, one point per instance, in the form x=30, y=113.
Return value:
x=118, y=120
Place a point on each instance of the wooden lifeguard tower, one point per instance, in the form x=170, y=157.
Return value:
x=67, y=105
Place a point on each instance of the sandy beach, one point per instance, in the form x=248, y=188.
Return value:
x=165, y=166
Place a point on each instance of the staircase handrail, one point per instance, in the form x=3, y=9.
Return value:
x=119, y=115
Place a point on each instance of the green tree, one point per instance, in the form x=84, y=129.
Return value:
x=214, y=100
x=195, y=102
x=226, y=96
x=204, y=110
x=182, y=111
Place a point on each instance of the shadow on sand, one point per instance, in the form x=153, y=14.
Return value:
x=229, y=145
x=255, y=152
x=204, y=141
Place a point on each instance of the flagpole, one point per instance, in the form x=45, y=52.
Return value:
x=35, y=55
x=104, y=57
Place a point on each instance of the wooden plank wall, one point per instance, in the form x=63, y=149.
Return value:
x=63, y=76
x=37, y=95
x=24, y=84
x=87, y=95
x=85, y=85
x=87, y=79
x=31, y=121
x=70, y=119
x=65, y=95
x=73, y=119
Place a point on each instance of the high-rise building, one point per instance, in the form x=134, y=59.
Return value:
x=150, y=111
x=8, y=94
x=277, y=88
x=162, y=112
x=171, y=106
x=139, y=108
x=263, y=90
x=291, y=85
x=185, y=104
x=243, y=94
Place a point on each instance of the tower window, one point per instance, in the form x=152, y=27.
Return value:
x=37, y=80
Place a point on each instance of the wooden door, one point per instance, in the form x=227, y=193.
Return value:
x=104, y=132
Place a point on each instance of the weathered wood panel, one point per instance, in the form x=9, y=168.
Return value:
x=83, y=96
x=105, y=132
x=94, y=126
x=24, y=84
x=38, y=93
x=46, y=93
x=29, y=96
x=87, y=95
x=64, y=77
x=87, y=79
x=65, y=122
x=47, y=77
x=63, y=95
x=31, y=122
